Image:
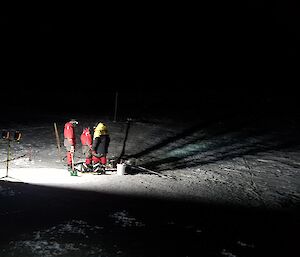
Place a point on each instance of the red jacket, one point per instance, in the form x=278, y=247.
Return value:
x=86, y=138
x=69, y=133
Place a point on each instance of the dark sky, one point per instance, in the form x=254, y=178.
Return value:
x=210, y=35
x=221, y=49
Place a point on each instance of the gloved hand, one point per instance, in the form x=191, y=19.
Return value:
x=72, y=150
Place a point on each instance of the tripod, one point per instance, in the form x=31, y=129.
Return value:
x=7, y=159
x=6, y=137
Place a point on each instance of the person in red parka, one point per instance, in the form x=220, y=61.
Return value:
x=87, y=142
x=70, y=143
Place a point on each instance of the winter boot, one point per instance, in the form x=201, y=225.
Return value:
x=102, y=168
x=87, y=167
x=98, y=168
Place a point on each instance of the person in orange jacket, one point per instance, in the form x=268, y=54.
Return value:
x=87, y=142
x=70, y=143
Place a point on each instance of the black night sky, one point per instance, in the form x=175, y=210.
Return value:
x=233, y=55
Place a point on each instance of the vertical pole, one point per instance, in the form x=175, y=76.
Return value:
x=8, y=153
x=116, y=107
x=57, y=141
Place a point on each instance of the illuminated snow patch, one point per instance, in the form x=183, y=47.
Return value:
x=71, y=237
x=121, y=218
x=245, y=244
x=45, y=248
x=227, y=253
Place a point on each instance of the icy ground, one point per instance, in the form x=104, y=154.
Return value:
x=225, y=187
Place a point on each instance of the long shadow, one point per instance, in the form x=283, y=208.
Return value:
x=199, y=126
x=219, y=155
x=170, y=227
x=236, y=146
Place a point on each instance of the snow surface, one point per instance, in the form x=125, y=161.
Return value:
x=243, y=166
x=240, y=163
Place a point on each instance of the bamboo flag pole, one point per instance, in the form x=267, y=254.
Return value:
x=57, y=141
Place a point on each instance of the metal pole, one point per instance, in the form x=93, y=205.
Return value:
x=116, y=107
x=8, y=153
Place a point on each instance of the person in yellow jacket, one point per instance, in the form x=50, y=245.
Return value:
x=100, y=146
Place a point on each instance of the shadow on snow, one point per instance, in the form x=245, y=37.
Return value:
x=171, y=228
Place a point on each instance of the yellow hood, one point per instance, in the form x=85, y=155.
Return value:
x=101, y=129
